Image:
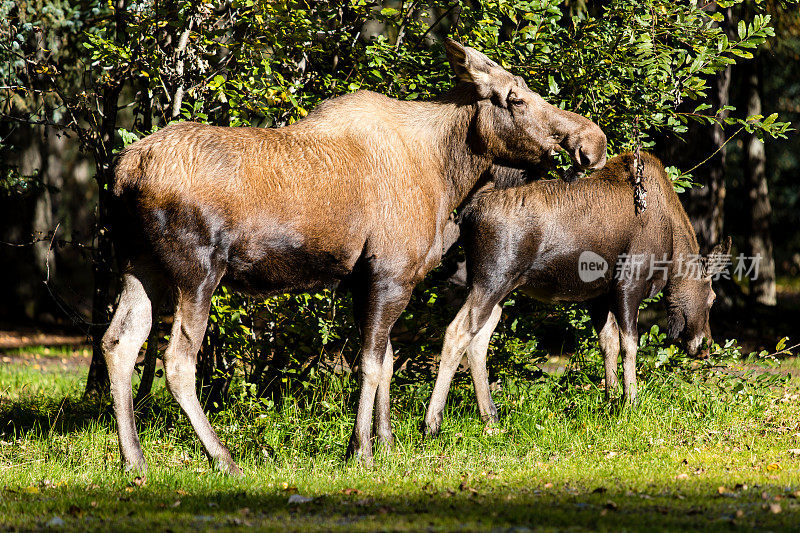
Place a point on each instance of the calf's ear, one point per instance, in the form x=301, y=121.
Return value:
x=675, y=324
x=474, y=67
x=719, y=259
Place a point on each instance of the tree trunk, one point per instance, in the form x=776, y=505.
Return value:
x=97, y=383
x=102, y=257
x=705, y=204
x=762, y=289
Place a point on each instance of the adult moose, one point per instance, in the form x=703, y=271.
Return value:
x=535, y=237
x=357, y=193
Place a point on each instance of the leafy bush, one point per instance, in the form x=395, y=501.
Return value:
x=627, y=65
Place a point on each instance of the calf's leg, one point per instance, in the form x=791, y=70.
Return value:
x=628, y=322
x=122, y=341
x=476, y=355
x=469, y=321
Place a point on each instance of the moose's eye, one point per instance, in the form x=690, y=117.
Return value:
x=514, y=100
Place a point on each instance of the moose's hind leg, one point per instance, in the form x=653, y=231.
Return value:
x=469, y=321
x=476, y=355
x=605, y=323
x=122, y=341
x=188, y=330
x=383, y=411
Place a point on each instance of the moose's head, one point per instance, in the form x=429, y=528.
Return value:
x=515, y=125
x=689, y=301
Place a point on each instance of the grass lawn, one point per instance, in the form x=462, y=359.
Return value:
x=702, y=450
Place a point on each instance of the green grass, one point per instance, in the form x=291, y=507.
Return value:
x=700, y=451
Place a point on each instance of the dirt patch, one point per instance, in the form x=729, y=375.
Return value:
x=22, y=338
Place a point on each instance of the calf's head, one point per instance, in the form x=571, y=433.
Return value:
x=690, y=301
x=515, y=125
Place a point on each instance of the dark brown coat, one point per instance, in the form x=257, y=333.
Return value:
x=542, y=238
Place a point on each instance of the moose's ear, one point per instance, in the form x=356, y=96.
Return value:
x=472, y=66
x=675, y=324
x=719, y=259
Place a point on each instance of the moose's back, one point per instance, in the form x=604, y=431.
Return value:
x=546, y=229
x=296, y=203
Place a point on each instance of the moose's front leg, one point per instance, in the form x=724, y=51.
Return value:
x=376, y=310
x=605, y=323
x=628, y=323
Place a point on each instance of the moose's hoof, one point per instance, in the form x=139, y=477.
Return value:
x=360, y=454
x=227, y=466
x=430, y=430
x=135, y=466
x=386, y=442
x=432, y=425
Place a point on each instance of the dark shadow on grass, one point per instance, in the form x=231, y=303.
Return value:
x=467, y=508
x=39, y=416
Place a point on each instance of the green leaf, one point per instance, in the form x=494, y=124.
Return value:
x=552, y=86
x=781, y=343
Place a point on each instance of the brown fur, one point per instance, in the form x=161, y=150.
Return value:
x=358, y=192
x=532, y=237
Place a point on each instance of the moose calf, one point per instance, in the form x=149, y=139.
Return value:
x=536, y=238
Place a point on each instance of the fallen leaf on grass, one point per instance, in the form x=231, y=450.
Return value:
x=350, y=492
x=773, y=467
x=31, y=490
x=548, y=485
x=176, y=503
x=775, y=508
x=682, y=476
x=494, y=431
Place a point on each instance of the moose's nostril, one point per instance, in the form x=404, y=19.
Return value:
x=583, y=159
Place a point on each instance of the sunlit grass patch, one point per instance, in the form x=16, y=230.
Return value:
x=703, y=448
